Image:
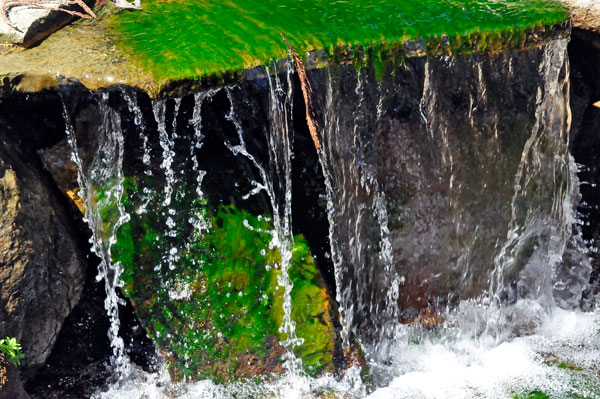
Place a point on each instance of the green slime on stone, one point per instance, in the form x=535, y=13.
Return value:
x=217, y=314
x=190, y=39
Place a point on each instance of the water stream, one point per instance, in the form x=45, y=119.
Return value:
x=105, y=170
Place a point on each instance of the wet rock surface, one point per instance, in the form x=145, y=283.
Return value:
x=436, y=150
x=11, y=386
x=196, y=290
x=79, y=361
x=41, y=264
x=79, y=364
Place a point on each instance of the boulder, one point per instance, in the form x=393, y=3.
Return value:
x=586, y=14
x=42, y=268
x=204, y=279
x=27, y=24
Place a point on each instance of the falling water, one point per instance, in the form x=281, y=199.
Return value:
x=354, y=211
x=517, y=303
x=277, y=184
x=105, y=171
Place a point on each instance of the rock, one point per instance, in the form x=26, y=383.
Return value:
x=57, y=160
x=30, y=23
x=11, y=386
x=584, y=57
x=41, y=266
x=586, y=14
x=427, y=175
x=140, y=48
x=211, y=301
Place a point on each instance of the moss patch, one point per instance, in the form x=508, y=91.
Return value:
x=178, y=39
x=213, y=304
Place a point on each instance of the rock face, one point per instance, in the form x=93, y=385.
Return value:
x=41, y=266
x=584, y=52
x=450, y=179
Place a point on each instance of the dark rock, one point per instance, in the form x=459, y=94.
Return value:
x=79, y=364
x=11, y=386
x=584, y=55
x=41, y=265
x=442, y=149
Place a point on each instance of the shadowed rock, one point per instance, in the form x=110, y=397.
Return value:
x=41, y=268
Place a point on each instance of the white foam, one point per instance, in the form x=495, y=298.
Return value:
x=439, y=366
x=469, y=368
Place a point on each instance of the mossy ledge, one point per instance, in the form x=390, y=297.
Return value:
x=203, y=43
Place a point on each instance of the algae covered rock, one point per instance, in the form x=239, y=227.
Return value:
x=218, y=307
x=192, y=240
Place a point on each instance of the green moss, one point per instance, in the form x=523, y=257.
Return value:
x=215, y=310
x=179, y=39
x=532, y=395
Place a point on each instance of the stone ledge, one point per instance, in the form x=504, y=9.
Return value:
x=586, y=14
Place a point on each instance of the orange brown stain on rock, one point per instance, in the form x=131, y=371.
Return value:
x=427, y=318
x=73, y=194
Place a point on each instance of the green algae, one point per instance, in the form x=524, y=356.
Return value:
x=183, y=39
x=216, y=312
x=532, y=395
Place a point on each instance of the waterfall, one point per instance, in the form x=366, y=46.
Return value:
x=470, y=225
x=106, y=171
x=448, y=219
x=276, y=183
x=350, y=212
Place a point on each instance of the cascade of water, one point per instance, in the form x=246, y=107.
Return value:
x=367, y=201
x=139, y=121
x=552, y=117
x=326, y=159
x=198, y=221
x=104, y=175
x=167, y=143
x=276, y=182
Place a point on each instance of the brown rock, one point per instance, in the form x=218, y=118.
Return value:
x=41, y=265
x=586, y=14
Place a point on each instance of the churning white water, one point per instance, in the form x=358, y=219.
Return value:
x=559, y=359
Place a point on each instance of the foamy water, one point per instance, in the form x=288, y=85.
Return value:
x=560, y=358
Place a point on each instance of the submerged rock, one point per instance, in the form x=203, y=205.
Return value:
x=41, y=266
